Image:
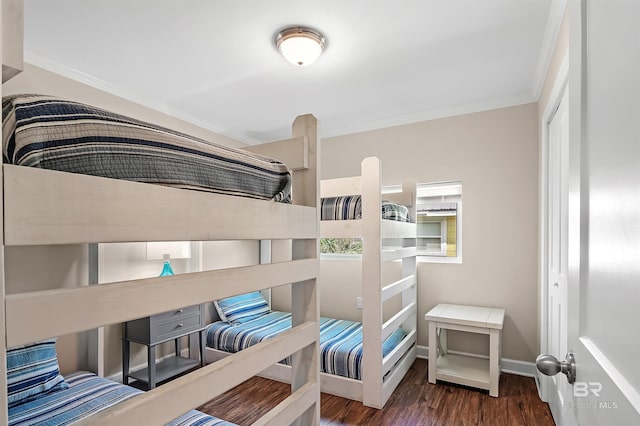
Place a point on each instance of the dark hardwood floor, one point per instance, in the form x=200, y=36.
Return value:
x=415, y=402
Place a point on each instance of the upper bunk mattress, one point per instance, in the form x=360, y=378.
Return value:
x=350, y=207
x=50, y=133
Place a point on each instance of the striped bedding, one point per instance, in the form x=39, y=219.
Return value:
x=51, y=133
x=87, y=394
x=340, y=340
x=350, y=207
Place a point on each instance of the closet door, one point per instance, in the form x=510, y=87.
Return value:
x=603, y=221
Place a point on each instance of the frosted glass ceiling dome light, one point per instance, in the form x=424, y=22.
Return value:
x=300, y=45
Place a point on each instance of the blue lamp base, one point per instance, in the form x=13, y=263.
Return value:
x=166, y=269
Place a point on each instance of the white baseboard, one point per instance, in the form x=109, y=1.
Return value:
x=512, y=366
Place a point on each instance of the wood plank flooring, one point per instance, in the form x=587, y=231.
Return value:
x=415, y=402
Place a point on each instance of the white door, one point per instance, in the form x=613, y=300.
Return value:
x=603, y=309
x=556, y=388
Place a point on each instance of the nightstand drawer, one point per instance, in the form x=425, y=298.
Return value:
x=178, y=313
x=177, y=327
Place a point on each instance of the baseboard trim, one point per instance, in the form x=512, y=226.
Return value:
x=512, y=366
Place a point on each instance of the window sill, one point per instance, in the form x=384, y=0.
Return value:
x=340, y=256
x=439, y=259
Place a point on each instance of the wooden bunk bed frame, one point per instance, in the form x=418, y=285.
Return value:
x=45, y=207
x=380, y=376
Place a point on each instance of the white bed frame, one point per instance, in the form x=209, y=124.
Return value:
x=380, y=376
x=44, y=207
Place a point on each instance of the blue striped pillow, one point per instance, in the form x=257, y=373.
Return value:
x=32, y=370
x=242, y=308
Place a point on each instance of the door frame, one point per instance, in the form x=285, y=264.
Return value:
x=553, y=102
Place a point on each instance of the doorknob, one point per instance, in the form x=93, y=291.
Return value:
x=549, y=365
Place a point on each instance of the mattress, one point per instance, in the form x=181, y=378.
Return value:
x=340, y=340
x=350, y=208
x=88, y=394
x=50, y=133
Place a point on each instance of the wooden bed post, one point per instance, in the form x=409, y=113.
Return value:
x=305, y=305
x=3, y=346
x=371, y=284
x=409, y=264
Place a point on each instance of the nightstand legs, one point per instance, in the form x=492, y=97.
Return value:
x=203, y=345
x=151, y=359
x=125, y=361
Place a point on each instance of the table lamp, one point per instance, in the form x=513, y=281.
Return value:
x=168, y=250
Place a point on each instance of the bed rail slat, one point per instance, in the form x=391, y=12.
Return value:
x=340, y=187
x=160, y=405
x=51, y=207
x=398, y=352
x=404, y=198
x=37, y=315
x=393, y=380
x=291, y=408
x=395, y=229
x=397, y=287
x=395, y=321
x=293, y=152
x=341, y=228
x=391, y=255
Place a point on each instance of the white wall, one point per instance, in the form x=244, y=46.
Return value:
x=495, y=155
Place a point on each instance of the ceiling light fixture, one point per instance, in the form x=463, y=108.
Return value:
x=300, y=45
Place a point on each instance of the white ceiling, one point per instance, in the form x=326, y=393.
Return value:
x=213, y=62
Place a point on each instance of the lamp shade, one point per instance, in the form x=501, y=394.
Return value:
x=300, y=45
x=171, y=249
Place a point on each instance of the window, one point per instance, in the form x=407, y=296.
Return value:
x=341, y=246
x=439, y=212
x=439, y=226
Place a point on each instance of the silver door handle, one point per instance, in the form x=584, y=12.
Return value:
x=549, y=365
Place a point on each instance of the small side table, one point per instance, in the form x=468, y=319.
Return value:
x=156, y=329
x=465, y=370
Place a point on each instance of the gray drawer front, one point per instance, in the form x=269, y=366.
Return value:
x=178, y=313
x=170, y=329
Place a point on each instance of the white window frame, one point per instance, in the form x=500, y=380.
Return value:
x=442, y=236
x=444, y=190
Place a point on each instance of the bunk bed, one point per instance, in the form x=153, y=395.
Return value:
x=361, y=361
x=52, y=207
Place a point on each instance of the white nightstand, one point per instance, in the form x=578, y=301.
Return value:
x=465, y=370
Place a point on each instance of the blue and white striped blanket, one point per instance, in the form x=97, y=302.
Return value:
x=340, y=340
x=49, y=133
x=350, y=208
x=87, y=394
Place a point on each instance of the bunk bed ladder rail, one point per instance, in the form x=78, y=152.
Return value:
x=381, y=376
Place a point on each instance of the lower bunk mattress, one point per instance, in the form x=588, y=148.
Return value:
x=88, y=394
x=340, y=340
